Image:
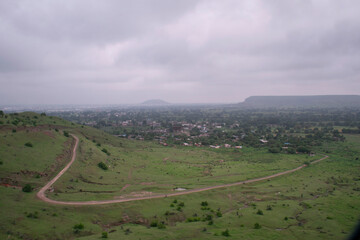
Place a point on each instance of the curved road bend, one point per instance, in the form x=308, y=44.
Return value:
x=41, y=194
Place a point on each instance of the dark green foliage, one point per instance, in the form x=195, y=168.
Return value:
x=66, y=134
x=257, y=226
x=28, y=144
x=181, y=204
x=27, y=188
x=104, y=235
x=78, y=227
x=274, y=150
x=226, y=233
x=204, y=204
x=291, y=150
x=14, y=130
x=193, y=219
x=34, y=215
x=285, y=218
x=43, y=114
x=175, y=201
x=268, y=207
x=303, y=149
x=1, y=162
x=102, y=166
x=211, y=222
x=56, y=130
x=260, y=212
x=161, y=225
x=154, y=224
x=218, y=214
x=105, y=151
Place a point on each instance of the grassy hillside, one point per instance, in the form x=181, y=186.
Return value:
x=321, y=201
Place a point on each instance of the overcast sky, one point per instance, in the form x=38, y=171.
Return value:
x=188, y=51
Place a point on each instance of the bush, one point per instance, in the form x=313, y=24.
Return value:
x=268, y=208
x=226, y=233
x=274, y=150
x=303, y=149
x=78, y=227
x=104, y=235
x=102, y=166
x=27, y=188
x=66, y=134
x=257, y=226
x=28, y=144
x=14, y=130
x=218, y=214
x=154, y=224
x=105, y=151
x=161, y=225
x=260, y=212
x=204, y=204
x=291, y=151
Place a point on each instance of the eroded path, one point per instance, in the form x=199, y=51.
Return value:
x=41, y=194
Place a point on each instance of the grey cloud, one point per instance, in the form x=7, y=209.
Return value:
x=182, y=51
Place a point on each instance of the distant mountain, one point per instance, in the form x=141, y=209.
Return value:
x=155, y=102
x=320, y=101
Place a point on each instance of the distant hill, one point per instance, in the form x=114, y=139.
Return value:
x=155, y=102
x=320, y=101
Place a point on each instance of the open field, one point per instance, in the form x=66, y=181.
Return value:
x=318, y=202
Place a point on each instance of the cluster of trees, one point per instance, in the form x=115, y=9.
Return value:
x=301, y=128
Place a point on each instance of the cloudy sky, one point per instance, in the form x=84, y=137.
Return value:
x=188, y=51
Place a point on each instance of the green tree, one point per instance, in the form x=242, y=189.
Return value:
x=27, y=188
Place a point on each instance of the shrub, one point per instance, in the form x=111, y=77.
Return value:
x=218, y=214
x=303, y=149
x=28, y=144
x=27, y=188
x=260, y=212
x=204, y=204
x=161, y=225
x=66, y=134
x=106, y=151
x=257, y=226
x=226, y=233
x=268, y=208
x=14, y=130
x=285, y=218
x=78, y=227
x=181, y=204
x=104, y=235
x=102, y=166
x=33, y=215
x=154, y=224
x=274, y=150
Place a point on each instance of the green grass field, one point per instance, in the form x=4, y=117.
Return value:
x=321, y=201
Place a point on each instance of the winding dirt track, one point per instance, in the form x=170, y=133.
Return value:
x=41, y=194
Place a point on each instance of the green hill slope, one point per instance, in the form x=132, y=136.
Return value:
x=318, y=202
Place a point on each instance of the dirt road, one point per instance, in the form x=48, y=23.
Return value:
x=41, y=194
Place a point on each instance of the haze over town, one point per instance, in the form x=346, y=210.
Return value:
x=121, y=52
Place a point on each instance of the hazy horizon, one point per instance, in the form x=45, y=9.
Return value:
x=120, y=52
